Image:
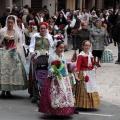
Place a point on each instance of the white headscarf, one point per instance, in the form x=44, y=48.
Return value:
x=15, y=27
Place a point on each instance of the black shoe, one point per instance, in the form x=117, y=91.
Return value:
x=65, y=50
x=8, y=94
x=76, y=112
x=3, y=94
x=117, y=62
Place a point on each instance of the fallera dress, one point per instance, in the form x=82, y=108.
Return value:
x=86, y=95
x=56, y=96
x=12, y=72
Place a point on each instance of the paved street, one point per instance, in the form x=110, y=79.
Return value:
x=108, y=80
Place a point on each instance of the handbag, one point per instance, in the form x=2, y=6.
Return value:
x=107, y=56
x=74, y=31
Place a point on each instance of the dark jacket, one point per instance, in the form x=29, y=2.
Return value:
x=3, y=20
x=116, y=34
x=77, y=24
x=82, y=34
x=58, y=22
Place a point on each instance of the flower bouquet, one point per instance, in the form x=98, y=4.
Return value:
x=12, y=50
x=59, y=37
x=31, y=23
x=59, y=68
x=62, y=26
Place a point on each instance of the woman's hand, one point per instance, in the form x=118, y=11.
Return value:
x=33, y=54
x=95, y=67
x=16, y=51
x=77, y=79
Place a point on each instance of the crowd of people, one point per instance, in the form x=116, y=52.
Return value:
x=24, y=32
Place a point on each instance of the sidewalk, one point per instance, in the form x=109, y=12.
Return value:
x=107, y=78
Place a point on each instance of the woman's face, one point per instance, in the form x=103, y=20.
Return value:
x=61, y=15
x=86, y=46
x=10, y=23
x=56, y=14
x=43, y=29
x=101, y=15
x=85, y=26
x=99, y=24
x=19, y=23
x=31, y=17
x=60, y=49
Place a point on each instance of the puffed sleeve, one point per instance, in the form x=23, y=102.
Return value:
x=1, y=36
x=66, y=27
x=73, y=23
x=51, y=44
x=79, y=61
x=51, y=72
x=32, y=44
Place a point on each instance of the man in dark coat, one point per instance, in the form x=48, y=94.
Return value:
x=3, y=18
x=117, y=37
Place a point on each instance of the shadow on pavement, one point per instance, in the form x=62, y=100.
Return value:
x=55, y=117
x=14, y=97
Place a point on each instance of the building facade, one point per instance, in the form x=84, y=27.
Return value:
x=57, y=5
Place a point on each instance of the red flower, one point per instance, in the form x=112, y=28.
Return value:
x=31, y=23
x=59, y=37
x=86, y=78
x=12, y=47
x=62, y=27
x=56, y=63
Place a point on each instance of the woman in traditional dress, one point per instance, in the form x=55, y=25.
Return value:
x=86, y=95
x=41, y=44
x=12, y=72
x=56, y=97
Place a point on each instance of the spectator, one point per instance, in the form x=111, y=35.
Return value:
x=82, y=34
x=97, y=37
x=117, y=38
x=4, y=17
x=46, y=12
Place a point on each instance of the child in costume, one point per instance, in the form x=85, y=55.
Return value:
x=86, y=95
x=56, y=96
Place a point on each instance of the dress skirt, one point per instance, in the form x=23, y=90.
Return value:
x=12, y=72
x=84, y=99
x=45, y=102
x=30, y=81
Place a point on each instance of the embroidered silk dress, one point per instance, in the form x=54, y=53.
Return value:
x=56, y=97
x=86, y=91
x=12, y=72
